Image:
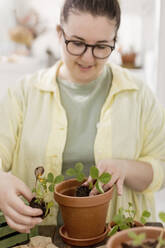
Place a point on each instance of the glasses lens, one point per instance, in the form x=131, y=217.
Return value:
x=76, y=47
x=102, y=51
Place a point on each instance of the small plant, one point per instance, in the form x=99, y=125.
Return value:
x=137, y=239
x=44, y=185
x=140, y=239
x=97, y=182
x=125, y=218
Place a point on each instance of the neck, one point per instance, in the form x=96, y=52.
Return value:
x=64, y=73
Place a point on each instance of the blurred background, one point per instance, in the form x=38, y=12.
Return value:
x=28, y=42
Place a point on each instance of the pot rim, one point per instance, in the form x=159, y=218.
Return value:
x=78, y=197
x=123, y=233
x=81, y=201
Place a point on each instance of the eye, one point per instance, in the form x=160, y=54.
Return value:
x=101, y=47
x=78, y=43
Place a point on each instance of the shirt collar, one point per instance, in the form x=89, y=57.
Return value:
x=122, y=80
x=46, y=79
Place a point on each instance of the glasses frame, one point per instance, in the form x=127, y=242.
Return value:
x=86, y=47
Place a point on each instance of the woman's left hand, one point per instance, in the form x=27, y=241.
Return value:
x=117, y=169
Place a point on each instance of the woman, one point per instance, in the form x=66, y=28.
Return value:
x=82, y=109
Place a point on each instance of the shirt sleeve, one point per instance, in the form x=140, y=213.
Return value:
x=153, y=130
x=10, y=126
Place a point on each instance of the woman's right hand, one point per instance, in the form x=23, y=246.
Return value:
x=18, y=215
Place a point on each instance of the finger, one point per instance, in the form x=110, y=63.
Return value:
x=24, y=209
x=87, y=182
x=119, y=185
x=109, y=185
x=24, y=191
x=113, y=180
x=22, y=219
x=18, y=227
x=106, y=187
x=94, y=191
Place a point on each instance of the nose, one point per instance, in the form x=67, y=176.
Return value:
x=88, y=56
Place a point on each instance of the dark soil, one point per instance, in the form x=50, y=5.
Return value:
x=131, y=225
x=147, y=244
x=41, y=205
x=82, y=191
x=158, y=224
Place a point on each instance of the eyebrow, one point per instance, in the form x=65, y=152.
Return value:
x=100, y=41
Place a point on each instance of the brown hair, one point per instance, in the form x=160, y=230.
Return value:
x=108, y=8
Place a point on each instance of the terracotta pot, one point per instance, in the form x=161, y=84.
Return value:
x=121, y=237
x=84, y=217
x=128, y=59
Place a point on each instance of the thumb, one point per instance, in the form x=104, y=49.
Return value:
x=87, y=182
x=119, y=185
x=22, y=189
x=93, y=192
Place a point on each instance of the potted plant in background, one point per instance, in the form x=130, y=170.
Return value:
x=84, y=216
x=140, y=237
x=125, y=219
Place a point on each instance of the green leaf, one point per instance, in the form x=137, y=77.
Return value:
x=80, y=177
x=94, y=172
x=90, y=185
x=130, y=204
x=70, y=172
x=99, y=188
x=105, y=177
x=113, y=230
x=129, y=220
x=161, y=241
x=142, y=220
x=162, y=216
x=124, y=226
x=34, y=190
x=79, y=167
x=121, y=210
x=50, y=177
x=58, y=179
x=117, y=219
x=132, y=235
x=50, y=204
x=139, y=239
x=51, y=187
x=146, y=214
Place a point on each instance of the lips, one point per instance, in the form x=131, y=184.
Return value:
x=85, y=67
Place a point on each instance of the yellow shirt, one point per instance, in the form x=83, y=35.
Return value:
x=33, y=130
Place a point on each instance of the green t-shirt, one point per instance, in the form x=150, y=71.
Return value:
x=83, y=103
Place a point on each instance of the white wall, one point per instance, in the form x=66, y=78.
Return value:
x=161, y=52
x=6, y=22
x=160, y=78
x=140, y=30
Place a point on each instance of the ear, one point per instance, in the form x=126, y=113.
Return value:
x=59, y=31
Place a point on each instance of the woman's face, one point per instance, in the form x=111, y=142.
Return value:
x=91, y=30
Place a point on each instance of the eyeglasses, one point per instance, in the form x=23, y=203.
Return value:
x=78, y=48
